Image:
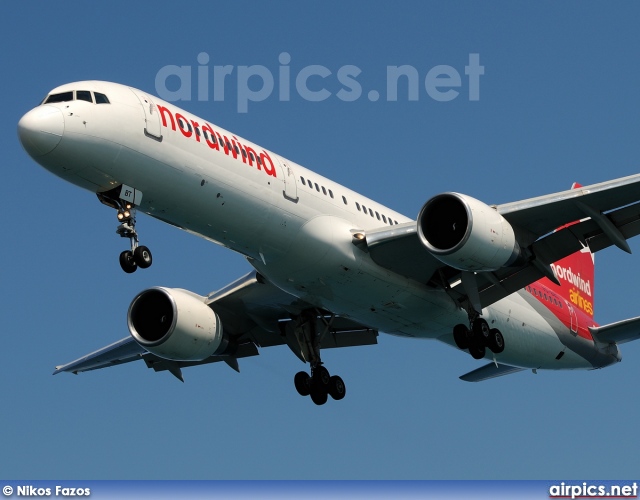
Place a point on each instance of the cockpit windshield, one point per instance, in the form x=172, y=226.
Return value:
x=62, y=97
x=79, y=95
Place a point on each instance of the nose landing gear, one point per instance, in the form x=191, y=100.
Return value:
x=124, y=199
x=139, y=256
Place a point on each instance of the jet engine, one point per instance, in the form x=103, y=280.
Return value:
x=175, y=324
x=466, y=234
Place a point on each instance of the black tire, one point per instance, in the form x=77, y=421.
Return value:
x=461, y=336
x=477, y=351
x=321, y=378
x=127, y=262
x=143, y=258
x=319, y=396
x=302, y=381
x=496, y=341
x=337, y=389
x=481, y=331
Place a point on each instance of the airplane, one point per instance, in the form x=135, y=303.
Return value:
x=511, y=283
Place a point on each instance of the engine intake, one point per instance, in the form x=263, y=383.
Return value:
x=175, y=324
x=466, y=234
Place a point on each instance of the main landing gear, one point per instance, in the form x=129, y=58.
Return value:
x=139, y=255
x=304, y=336
x=319, y=385
x=478, y=338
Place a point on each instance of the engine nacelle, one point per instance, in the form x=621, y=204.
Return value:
x=466, y=234
x=175, y=324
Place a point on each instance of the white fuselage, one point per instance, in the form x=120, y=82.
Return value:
x=294, y=226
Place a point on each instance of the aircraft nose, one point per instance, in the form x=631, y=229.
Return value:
x=41, y=129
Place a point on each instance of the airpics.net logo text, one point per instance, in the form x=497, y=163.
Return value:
x=315, y=82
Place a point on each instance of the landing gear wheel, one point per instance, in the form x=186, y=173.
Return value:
x=128, y=262
x=481, y=330
x=461, y=336
x=337, y=389
x=319, y=396
x=477, y=351
x=302, y=381
x=142, y=257
x=496, y=341
x=321, y=378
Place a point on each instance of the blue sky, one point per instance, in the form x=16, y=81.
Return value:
x=558, y=103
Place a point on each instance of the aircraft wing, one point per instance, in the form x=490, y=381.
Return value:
x=609, y=214
x=254, y=313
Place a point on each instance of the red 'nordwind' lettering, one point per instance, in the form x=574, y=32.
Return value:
x=163, y=113
x=271, y=170
x=230, y=147
x=208, y=131
x=183, y=125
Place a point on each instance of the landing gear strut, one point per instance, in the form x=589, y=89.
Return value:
x=305, y=339
x=478, y=338
x=139, y=256
x=122, y=199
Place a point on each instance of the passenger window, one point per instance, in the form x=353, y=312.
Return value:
x=303, y=181
x=84, y=95
x=101, y=98
x=377, y=216
x=330, y=193
x=324, y=191
x=317, y=187
x=345, y=200
x=384, y=219
x=62, y=97
x=358, y=206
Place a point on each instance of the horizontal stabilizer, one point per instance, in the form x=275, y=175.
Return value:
x=488, y=371
x=618, y=332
